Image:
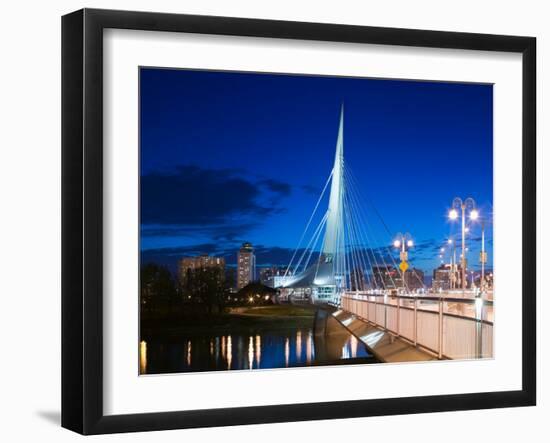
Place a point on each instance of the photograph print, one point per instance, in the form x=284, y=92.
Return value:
x=298, y=220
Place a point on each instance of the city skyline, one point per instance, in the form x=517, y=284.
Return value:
x=228, y=158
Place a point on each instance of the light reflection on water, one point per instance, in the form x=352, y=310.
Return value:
x=250, y=353
x=258, y=350
x=143, y=357
x=298, y=346
x=276, y=349
x=350, y=348
x=229, y=352
x=287, y=351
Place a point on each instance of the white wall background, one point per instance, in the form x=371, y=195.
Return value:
x=30, y=94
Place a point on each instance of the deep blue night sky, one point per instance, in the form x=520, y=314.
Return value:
x=233, y=157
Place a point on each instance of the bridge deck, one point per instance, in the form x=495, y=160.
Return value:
x=383, y=345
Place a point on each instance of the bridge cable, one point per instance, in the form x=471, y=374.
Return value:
x=308, y=223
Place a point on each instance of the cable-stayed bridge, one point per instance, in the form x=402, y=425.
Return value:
x=338, y=256
x=336, y=268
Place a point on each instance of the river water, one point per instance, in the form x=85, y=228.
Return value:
x=260, y=349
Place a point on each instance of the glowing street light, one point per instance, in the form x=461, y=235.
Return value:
x=403, y=242
x=467, y=204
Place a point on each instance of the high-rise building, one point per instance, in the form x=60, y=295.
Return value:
x=246, y=265
x=191, y=264
x=390, y=277
x=444, y=279
x=386, y=277
x=414, y=279
x=441, y=280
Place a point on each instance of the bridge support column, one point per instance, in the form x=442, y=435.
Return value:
x=330, y=336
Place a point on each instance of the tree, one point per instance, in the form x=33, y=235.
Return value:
x=158, y=289
x=206, y=285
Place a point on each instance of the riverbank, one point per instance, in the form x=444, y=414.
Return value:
x=247, y=337
x=274, y=311
x=236, y=320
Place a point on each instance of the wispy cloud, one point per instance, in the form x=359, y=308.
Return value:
x=222, y=204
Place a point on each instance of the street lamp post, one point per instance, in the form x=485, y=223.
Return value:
x=403, y=242
x=463, y=205
x=482, y=256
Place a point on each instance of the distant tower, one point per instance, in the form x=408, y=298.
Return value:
x=246, y=265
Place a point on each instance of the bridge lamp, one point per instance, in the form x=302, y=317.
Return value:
x=453, y=214
x=470, y=205
x=403, y=242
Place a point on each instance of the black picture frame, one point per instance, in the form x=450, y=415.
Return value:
x=82, y=220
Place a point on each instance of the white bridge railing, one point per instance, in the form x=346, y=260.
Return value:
x=450, y=327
